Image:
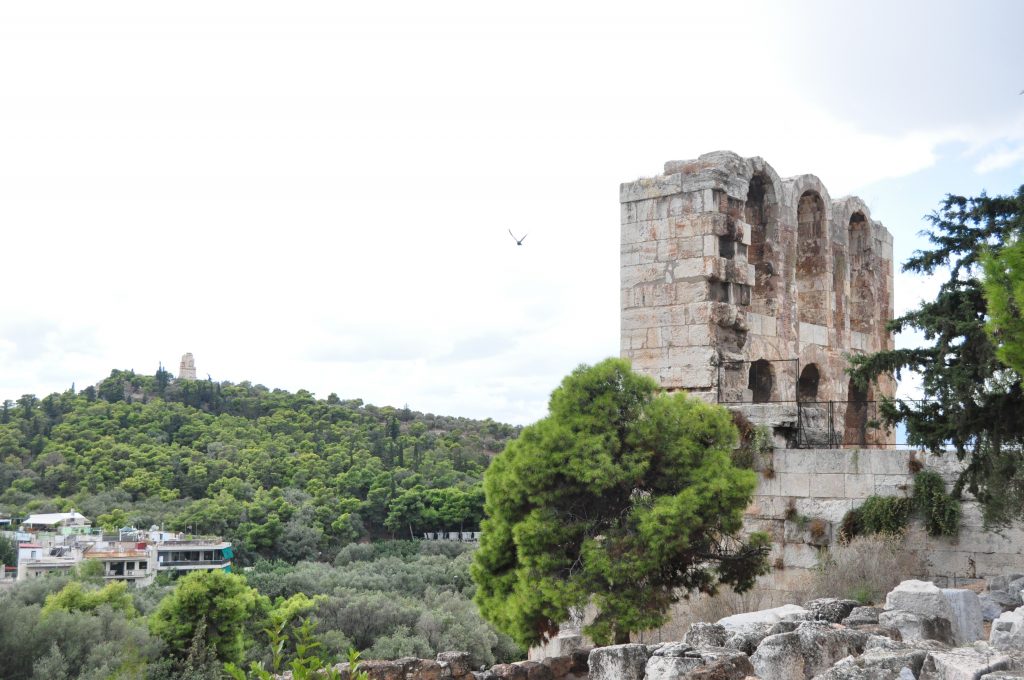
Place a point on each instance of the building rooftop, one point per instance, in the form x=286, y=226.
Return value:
x=54, y=518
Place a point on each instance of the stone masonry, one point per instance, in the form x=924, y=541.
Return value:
x=748, y=289
x=187, y=369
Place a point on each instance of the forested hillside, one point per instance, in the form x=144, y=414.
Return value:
x=282, y=475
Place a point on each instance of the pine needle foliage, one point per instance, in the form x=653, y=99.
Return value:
x=623, y=498
x=975, y=402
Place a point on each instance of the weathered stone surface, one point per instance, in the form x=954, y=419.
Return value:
x=963, y=663
x=509, y=671
x=747, y=638
x=1002, y=581
x=789, y=612
x=618, y=662
x=535, y=670
x=706, y=635
x=1008, y=631
x=917, y=626
x=919, y=597
x=458, y=662
x=872, y=629
x=1004, y=675
x=581, y=661
x=862, y=615
x=990, y=609
x=731, y=668
x=831, y=609
x=1005, y=599
x=966, y=621
x=560, y=665
x=893, y=659
x=780, y=657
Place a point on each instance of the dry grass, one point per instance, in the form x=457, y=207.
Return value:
x=866, y=568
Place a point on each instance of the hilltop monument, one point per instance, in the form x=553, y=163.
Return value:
x=751, y=290
x=187, y=369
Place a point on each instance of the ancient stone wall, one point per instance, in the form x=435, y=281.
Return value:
x=803, y=494
x=748, y=289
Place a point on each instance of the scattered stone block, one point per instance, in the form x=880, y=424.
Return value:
x=618, y=662
x=862, y=615
x=706, y=635
x=919, y=597
x=831, y=609
x=963, y=663
x=990, y=609
x=917, y=626
x=1003, y=581
x=1008, y=631
x=509, y=671
x=780, y=657
x=893, y=660
x=457, y=662
x=789, y=612
x=967, y=622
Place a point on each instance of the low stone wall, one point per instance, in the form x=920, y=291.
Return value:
x=803, y=494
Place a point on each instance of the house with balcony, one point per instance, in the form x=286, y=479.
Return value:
x=185, y=555
x=130, y=561
x=35, y=559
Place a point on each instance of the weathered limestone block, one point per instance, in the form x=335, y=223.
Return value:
x=1008, y=631
x=990, y=609
x=862, y=615
x=1002, y=582
x=672, y=661
x=967, y=622
x=963, y=663
x=919, y=597
x=780, y=657
x=746, y=638
x=917, y=626
x=893, y=659
x=1005, y=599
x=560, y=666
x=535, y=670
x=832, y=609
x=788, y=612
x=1004, y=675
x=706, y=635
x=735, y=667
x=457, y=663
x=509, y=671
x=618, y=662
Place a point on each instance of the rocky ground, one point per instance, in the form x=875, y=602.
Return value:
x=921, y=633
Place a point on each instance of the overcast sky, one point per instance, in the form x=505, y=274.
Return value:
x=318, y=195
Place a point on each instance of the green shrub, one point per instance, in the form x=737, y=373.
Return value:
x=939, y=510
x=885, y=514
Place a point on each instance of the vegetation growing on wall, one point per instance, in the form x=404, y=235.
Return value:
x=939, y=511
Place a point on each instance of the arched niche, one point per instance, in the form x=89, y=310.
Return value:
x=856, y=420
x=807, y=385
x=761, y=380
x=759, y=212
x=862, y=295
x=812, y=259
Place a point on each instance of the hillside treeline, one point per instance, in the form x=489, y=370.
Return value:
x=281, y=475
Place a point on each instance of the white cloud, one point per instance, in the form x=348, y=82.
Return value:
x=319, y=197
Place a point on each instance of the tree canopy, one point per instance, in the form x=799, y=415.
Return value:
x=975, y=402
x=279, y=474
x=623, y=497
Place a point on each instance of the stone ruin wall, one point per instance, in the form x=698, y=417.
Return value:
x=725, y=264
x=798, y=487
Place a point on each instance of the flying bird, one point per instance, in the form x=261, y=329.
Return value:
x=519, y=241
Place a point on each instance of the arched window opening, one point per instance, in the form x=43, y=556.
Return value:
x=760, y=381
x=862, y=297
x=758, y=213
x=811, y=259
x=807, y=385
